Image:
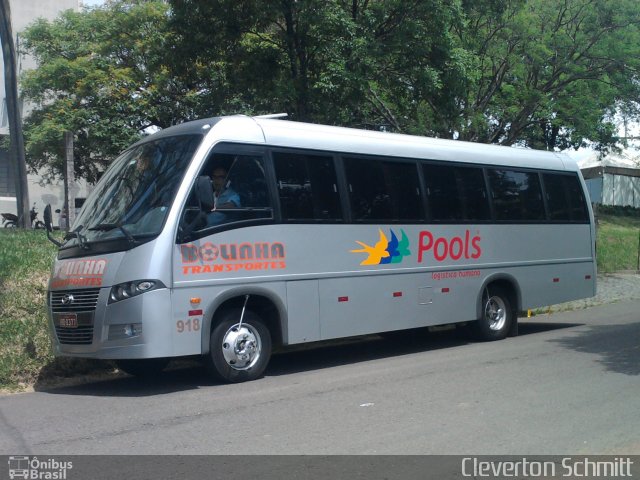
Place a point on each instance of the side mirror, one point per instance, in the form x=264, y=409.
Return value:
x=204, y=192
x=48, y=225
x=47, y=218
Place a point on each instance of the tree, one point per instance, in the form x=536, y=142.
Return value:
x=359, y=62
x=104, y=74
x=548, y=74
x=538, y=73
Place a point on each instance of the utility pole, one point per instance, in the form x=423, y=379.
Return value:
x=69, y=180
x=15, y=118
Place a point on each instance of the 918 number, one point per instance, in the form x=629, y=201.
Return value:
x=188, y=326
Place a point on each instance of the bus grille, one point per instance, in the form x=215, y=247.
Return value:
x=75, y=336
x=82, y=301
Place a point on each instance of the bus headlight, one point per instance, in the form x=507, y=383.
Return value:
x=122, y=291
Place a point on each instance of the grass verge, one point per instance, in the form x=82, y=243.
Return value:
x=25, y=350
x=618, y=241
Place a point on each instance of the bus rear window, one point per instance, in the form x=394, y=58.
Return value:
x=565, y=199
x=516, y=195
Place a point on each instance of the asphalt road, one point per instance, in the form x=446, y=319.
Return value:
x=569, y=384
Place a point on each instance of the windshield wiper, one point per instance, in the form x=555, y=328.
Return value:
x=105, y=227
x=82, y=241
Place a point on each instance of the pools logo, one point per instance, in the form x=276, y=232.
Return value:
x=385, y=251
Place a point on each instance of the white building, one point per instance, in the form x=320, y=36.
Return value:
x=614, y=179
x=24, y=12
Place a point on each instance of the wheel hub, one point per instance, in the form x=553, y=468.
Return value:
x=241, y=347
x=495, y=313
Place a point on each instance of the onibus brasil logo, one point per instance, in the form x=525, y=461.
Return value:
x=30, y=468
x=385, y=250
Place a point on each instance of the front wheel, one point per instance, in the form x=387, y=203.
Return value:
x=239, y=352
x=497, y=315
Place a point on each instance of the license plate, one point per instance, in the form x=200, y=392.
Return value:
x=68, y=321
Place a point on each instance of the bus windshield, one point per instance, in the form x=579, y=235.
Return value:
x=132, y=199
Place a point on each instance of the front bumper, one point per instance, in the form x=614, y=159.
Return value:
x=112, y=336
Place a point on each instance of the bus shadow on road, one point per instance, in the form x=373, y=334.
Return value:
x=315, y=356
x=616, y=347
x=354, y=350
x=319, y=355
x=187, y=376
x=528, y=327
x=184, y=375
x=361, y=349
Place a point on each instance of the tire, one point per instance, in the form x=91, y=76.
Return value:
x=496, y=317
x=239, y=355
x=10, y=225
x=40, y=225
x=143, y=368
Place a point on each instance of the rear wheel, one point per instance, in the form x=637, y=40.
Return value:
x=239, y=352
x=497, y=315
x=143, y=368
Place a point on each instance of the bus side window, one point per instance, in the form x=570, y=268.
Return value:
x=246, y=176
x=473, y=194
x=382, y=191
x=442, y=192
x=517, y=195
x=307, y=187
x=242, y=191
x=577, y=202
x=557, y=197
x=565, y=198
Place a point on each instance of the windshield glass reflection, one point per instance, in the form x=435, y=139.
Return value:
x=132, y=199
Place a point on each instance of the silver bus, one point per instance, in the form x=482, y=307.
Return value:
x=226, y=237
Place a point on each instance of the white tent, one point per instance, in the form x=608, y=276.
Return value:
x=614, y=179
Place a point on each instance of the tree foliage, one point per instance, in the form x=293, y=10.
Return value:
x=539, y=73
x=105, y=76
x=549, y=74
x=356, y=62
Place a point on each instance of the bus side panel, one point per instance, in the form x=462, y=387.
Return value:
x=303, y=311
x=555, y=283
x=380, y=303
x=188, y=318
x=376, y=303
x=192, y=322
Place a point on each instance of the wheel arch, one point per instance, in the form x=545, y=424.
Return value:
x=265, y=303
x=508, y=283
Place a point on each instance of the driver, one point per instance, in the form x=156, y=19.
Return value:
x=224, y=196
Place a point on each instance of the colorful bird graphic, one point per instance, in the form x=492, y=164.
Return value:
x=392, y=249
x=376, y=253
x=403, y=247
x=385, y=251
